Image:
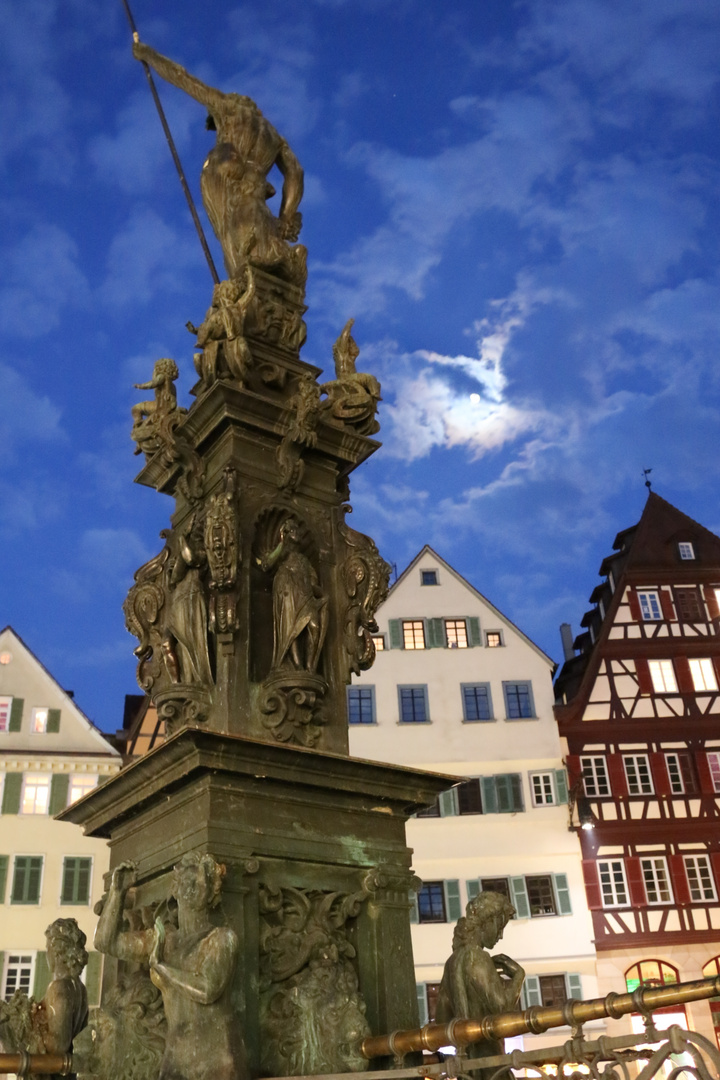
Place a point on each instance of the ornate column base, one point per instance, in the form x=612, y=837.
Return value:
x=182, y=706
x=290, y=703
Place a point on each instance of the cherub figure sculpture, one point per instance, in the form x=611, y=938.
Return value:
x=49, y=1026
x=474, y=983
x=192, y=965
x=353, y=396
x=154, y=421
x=225, y=352
x=234, y=183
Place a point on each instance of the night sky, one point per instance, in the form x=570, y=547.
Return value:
x=518, y=202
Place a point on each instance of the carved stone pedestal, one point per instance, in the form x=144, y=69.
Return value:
x=318, y=874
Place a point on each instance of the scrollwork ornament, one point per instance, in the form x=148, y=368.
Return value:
x=366, y=577
x=352, y=396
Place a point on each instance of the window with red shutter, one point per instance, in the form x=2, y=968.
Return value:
x=634, y=604
x=592, y=885
x=643, y=676
x=682, y=673
x=679, y=879
x=636, y=884
x=616, y=770
x=660, y=774
x=667, y=605
x=711, y=599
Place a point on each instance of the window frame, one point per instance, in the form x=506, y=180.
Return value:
x=659, y=670
x=686, y=551
x=31, y=955
x=612, y=883
x=655, y=861
x=417, y=626
x=428, y=572
x=689, y=604
x=380, y=643
x=550, y=774
x=593, y=760
x=649, y=598
x=713, y=760
x=471, y=784
x=644, y=784
x=81, y=776
x=456, y=623
x=76, y=903
x=434, y=885
x=703, y=860
x=5, y=715
x=553, y=899
x=478, y=719
x=356, y=690
x=532, y=715
x=700, y=668
x=413, y=686
x=29, y=778
x=35, y=713
x=494, y=634
x=27, y=903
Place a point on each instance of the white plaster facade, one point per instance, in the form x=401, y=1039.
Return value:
x=48, y=869
x=465, y=847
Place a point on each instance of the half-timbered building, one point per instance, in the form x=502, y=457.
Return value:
x=637, y=700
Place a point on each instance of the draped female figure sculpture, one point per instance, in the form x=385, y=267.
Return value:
x=234, y=183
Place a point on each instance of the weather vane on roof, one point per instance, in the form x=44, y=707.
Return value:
x=646, y=474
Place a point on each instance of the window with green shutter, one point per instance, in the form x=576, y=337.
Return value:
x=489, y=794
x=41, y=980
x=421, y=1003
x=4, y=859
x=474, y=635
x=447, y=802
x=473, y=888
x=520, y=898
x=562, y=892
x=531, y=992
x=16, y=712
x=453, y=906
x=12, y=793
x=76, y=880
x=53, y=721
x=561, y=787
x=59, y=785
x=414, y=913
x=509, y=793
x=434, y=634
x=395, y=631
x=574, y=987
x=27, y=878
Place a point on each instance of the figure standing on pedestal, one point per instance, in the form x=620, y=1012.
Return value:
x=474, y=983
x=299, y=604
x=234, y=182
x=192, y=966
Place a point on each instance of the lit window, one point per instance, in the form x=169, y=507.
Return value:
x=697, y=868
x=595, y=776
x=703, y=675
x=5, y=707
x=653, y=973
x=540, y=895
x=518, y=700
x=456, y=634
x=38, y=723
x=637, y=771
x=27, y=878
x=18, y=974
x=361, y=704
x=686, y=551
x=657, y=883
x=76, y=881
x=543, y=789
x=493, y=639
x=81, y=785
x=5, y=657
x=611, y=873
x=476, y=701
x=35, y=795
x=662, y=674
x=428, y=577
x=413, y=704
x=714, y=764
x=413, y=634
x=650, y=606
x=379, y=642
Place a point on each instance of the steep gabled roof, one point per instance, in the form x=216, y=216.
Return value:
x=475, y=592
x=104, y=745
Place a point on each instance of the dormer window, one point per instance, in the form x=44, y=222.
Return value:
x=428, y=577
x=686, y=551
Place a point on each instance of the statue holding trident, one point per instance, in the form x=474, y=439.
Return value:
x=234, y=183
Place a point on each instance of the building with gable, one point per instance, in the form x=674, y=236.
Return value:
x=638, y=702
x=456, y=687
x=50, y=756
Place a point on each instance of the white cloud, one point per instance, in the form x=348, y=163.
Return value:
x=146, y=258
x=28, y=417
x=41, y=281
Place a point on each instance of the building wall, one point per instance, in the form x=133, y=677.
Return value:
x=466, y=847
x=76, y=750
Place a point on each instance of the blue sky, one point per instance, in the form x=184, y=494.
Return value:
x=518, y=202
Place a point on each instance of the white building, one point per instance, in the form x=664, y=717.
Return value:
x=456, y=687
x=50, y=755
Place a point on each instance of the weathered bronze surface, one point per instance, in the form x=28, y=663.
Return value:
x=50, y=1026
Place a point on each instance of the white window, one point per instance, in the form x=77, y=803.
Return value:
x=379, y=642
x=662, y=674
x=657, y=882
x=18, y=974
x=456, y=634
x=35, y=795
x=714, y=765
x=543, y=789
x=697, y=868
x=5, y=707
x=650, y=606
x=677, y=786
x=413, y=634
x=595, y=776
x=703, y=675
x=637, y=771
x=686, y=550
x=613, y=886
x=81, y=785
x=493, y=639
x=38, y=722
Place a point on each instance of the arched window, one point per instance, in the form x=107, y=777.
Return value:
x=711, y=970
x=650, y=973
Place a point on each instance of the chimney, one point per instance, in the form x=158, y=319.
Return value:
x=566, y=636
